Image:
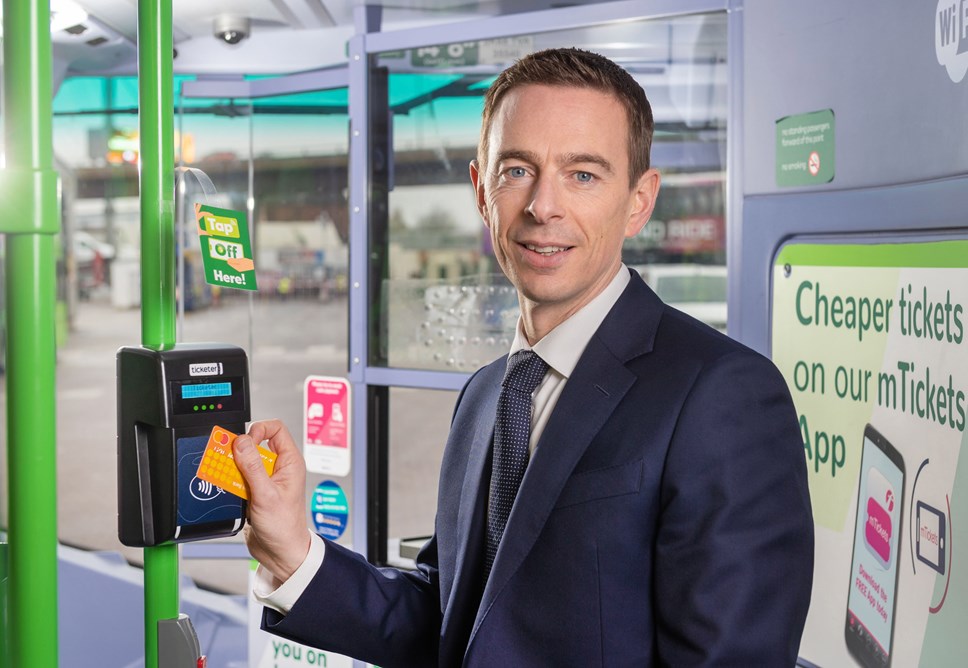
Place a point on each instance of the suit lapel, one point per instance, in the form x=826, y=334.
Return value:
x=464, y=595
x=474, y=493
x=594, y=390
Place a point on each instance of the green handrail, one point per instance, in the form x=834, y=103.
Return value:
x=29, y=216
x=156, y=119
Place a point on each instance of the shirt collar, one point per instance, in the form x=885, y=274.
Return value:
x=562, y=347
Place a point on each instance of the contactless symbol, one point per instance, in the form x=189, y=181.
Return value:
x=203, y=490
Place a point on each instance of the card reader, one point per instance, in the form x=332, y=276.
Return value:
x=168, y=402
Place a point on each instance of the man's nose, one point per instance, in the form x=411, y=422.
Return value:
x=546, y=200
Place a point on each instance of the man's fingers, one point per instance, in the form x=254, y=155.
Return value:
x=274, y=431
x=268, y=429
x=280, y=441
x=249, y=461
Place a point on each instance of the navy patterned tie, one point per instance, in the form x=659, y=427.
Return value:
x=512, y=431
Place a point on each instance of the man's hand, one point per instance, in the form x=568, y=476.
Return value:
x=276, y=531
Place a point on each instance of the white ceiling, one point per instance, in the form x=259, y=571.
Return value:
x=680, y=61
x=285, y=35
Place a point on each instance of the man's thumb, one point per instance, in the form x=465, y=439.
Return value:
x=248, y=460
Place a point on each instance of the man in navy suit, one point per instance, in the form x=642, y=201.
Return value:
x=663, y=518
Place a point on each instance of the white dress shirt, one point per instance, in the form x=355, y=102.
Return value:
x=561, y=349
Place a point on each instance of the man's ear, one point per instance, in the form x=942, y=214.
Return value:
x=477, y=181
x=643, y=198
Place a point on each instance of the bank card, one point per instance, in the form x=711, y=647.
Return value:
x=218, y=465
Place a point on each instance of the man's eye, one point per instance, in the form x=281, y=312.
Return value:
x=584, y=177
x=517, y=172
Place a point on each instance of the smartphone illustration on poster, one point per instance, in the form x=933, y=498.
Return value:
x=872, y=597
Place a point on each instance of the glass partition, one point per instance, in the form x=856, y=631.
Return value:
x=420, y=421
x=443, y=302
x=439, y=301
x=296, y=324
x=293, y=152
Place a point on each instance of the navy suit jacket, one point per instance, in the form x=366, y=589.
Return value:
x=664, y=519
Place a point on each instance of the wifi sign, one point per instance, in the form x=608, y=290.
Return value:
x=951, y=37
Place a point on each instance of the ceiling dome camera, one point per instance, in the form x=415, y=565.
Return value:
x=231, y=29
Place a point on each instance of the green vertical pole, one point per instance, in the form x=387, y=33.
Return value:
x=156, y=116
x=4, y=654
x=29, y=216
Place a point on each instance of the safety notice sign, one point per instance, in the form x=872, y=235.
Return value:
x=805, y=149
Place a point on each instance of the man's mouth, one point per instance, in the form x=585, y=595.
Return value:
x=545, y=250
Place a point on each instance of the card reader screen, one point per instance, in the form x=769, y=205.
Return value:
x=206, y=396
x=202, y=390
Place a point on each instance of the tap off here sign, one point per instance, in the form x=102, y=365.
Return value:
x=226, y=252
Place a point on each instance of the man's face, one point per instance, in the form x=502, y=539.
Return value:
x=556, y=195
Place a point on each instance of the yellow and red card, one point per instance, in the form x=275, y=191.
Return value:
x=218, y=465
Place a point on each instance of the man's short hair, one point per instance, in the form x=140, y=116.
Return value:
x=578, y=69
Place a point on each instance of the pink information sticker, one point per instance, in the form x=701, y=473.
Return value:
x=326, y=425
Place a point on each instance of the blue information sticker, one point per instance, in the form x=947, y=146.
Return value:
x=330, y=510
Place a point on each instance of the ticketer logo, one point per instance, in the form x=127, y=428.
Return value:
x=951, y=37
x=207, y=369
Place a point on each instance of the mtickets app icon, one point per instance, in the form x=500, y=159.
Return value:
x=879, y=526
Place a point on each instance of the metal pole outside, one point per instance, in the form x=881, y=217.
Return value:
x=156, y=119
x=29, y=216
